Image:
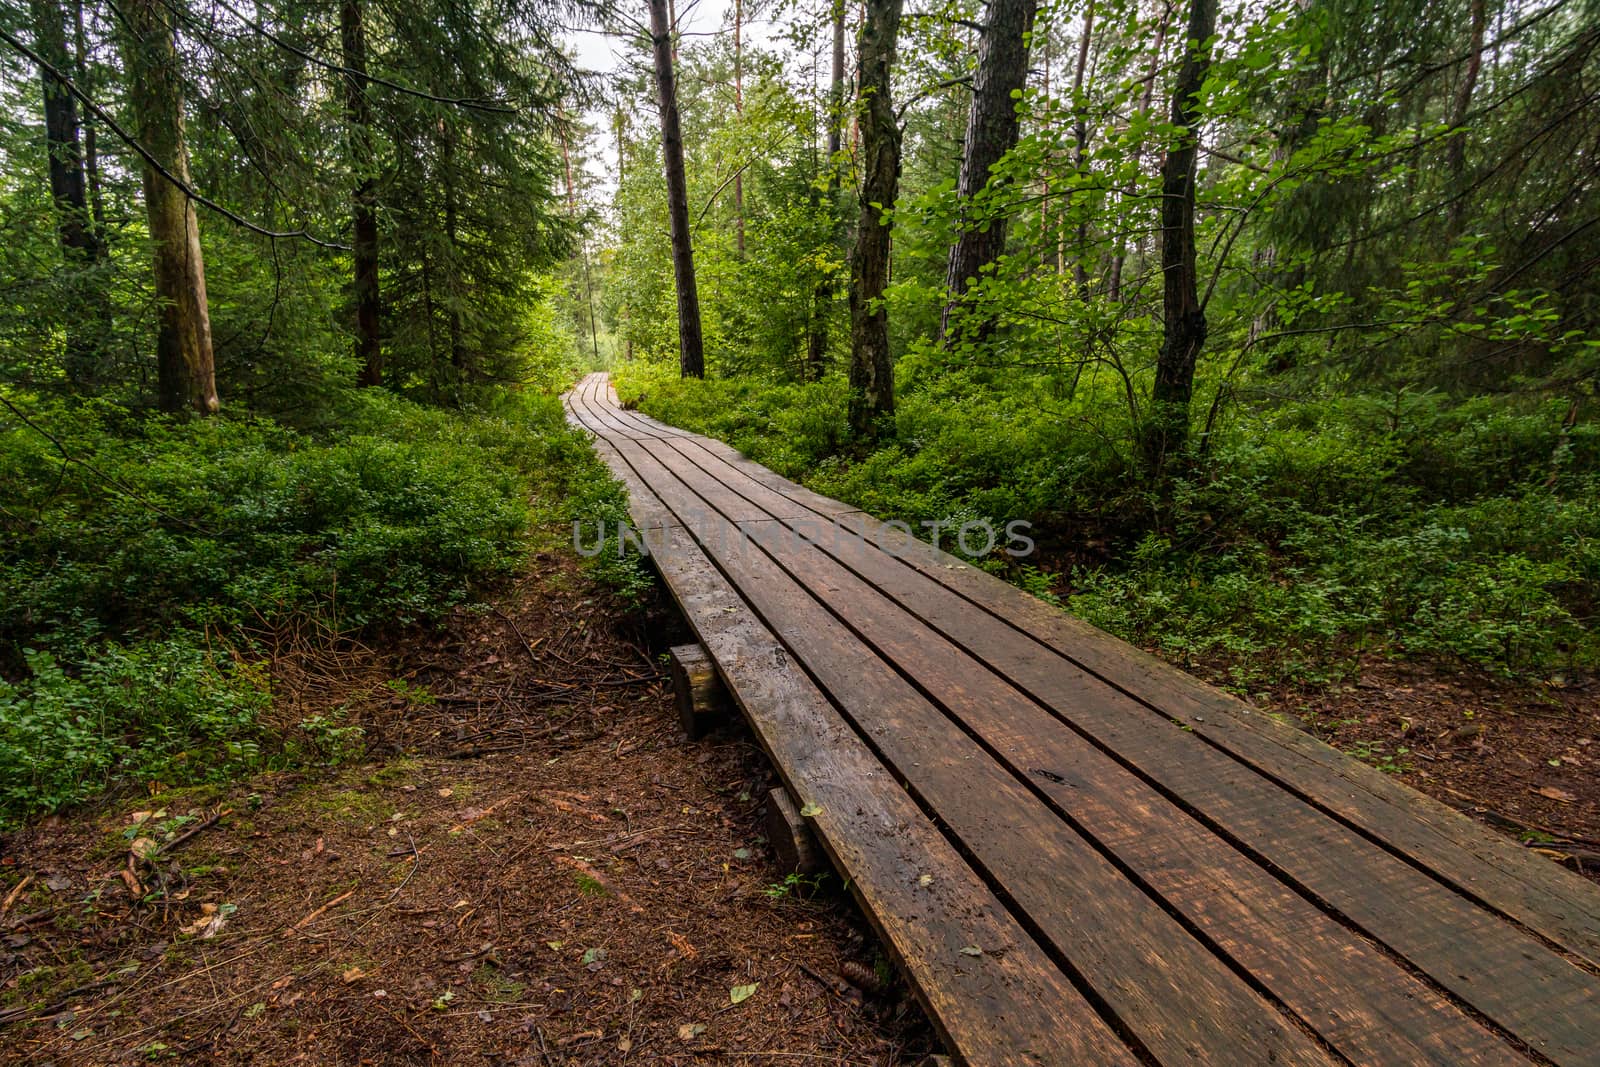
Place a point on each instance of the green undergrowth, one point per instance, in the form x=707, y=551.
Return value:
x=140, y=554
x=1311, y=531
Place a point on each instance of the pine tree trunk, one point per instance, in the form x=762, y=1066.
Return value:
x=185, y=365
x=691, y=350
x=454, y=289
x=1080, y=145
x=822, y=298
x=738, y=109
x=871, y=364
x=83, y=247
x=1166, y=430
x=364, y=204
x=991, y=133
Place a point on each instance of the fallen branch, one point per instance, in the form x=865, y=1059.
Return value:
x=11, y=897
x=309, y=919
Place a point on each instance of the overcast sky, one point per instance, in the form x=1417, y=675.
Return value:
x=697, y=20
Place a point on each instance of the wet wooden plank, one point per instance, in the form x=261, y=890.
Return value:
x=957, y=647
x=1010, y=1007
x=1527, y=887
x=1166, y=988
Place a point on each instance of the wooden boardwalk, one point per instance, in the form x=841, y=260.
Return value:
x=1076, y=853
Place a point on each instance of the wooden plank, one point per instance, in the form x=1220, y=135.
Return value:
x=1494, y=971
x=642, y=425
x=1166, y=988
x=1014, y=1007
x=702, y=701
x=794, y=846
x=1367, y=1007
x=1529, y=888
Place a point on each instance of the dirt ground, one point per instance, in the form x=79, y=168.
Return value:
x=552, y=874
x=520, y=859
x=1522, y=757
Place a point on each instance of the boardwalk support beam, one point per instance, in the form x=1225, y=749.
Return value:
x=702, y=701
x=792, y=841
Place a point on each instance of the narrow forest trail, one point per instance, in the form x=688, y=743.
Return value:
x=549, y=874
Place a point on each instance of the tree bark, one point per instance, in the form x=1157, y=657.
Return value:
x=691, y=349
x=822, y=298
x=186, y=368
x=1080, y=145
x=364, y=203
x=871, y=364
x=738, y=109
x=1166, y=430
x=991, y=133
x=83, y=247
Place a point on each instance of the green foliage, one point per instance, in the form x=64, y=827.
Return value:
x=203, y=530
x=164, y=710
x=237, y=521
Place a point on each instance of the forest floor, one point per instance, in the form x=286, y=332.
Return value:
x=1522, y=757
x=533, y=865
x=550, y=873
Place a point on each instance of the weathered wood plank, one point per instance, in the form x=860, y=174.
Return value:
x=793, y=844
x=702, y=702
x=1529, y=888
x=1012, y=1008
x=1016, y=1007
x=1170, y=991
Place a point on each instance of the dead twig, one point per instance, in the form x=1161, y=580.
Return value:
x=193, y=831
x=311, y=918
x=17, y=891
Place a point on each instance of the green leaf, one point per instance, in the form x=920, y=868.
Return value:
x=741, y=993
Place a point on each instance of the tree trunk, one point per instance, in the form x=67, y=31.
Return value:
x=691, y=350
x=871, y=365
x=1114, y=283
x=991, y=133
x=186, y=368
x=91, y=155
x=1166, y=430
x=364, y=204
x=1080, y=144
x=83, y=247
x=738, y=109
x=1457, y=148
x=822, y=298
x=454, y=289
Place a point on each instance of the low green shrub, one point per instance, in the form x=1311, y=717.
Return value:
x=128, y=539
x=158, y=710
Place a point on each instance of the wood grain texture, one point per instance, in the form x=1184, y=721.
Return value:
x=1212, y=886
